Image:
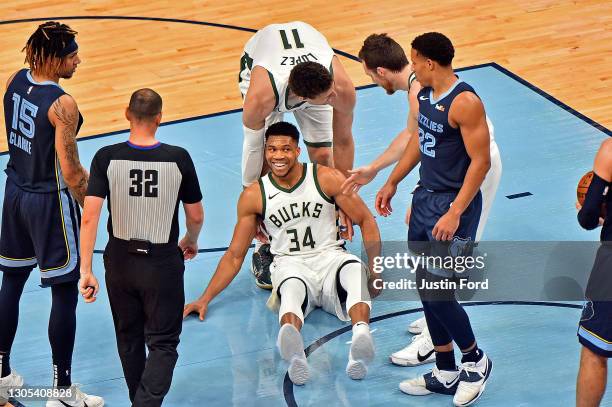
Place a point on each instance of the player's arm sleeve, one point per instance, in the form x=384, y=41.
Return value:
x=190, y=191
x=252, y=155
x=588, y=216
x=98, y=180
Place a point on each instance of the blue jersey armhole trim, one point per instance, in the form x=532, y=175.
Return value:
x=137, y=147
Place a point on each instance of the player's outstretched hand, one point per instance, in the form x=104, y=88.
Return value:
x=446, y=227
x=189, y=248
x=88, y=286
x=359, y=177
x=383, y=199
x=196, y=307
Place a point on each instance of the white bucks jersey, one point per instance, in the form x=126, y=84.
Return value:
x=278, y=48
x=300, y=220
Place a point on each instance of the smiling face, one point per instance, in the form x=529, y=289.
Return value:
x=282, y=153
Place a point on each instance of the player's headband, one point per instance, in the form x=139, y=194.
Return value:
x=68, y=49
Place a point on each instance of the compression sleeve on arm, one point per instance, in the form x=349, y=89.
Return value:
x=588, y=216
x=252, y=155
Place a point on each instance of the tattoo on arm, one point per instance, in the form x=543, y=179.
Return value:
x=69, y=120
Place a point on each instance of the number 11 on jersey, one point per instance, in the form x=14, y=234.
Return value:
x=296, y=39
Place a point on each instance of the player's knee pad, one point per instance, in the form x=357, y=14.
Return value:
x=293, y=298
x=353, y=281
x=252, y=155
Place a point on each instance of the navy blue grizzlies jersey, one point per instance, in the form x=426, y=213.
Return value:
x=444, y=159
x=33, y=165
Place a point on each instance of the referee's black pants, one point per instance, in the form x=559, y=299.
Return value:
x=147, y=298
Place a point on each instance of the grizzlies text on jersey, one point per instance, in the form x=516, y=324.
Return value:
x=444, y=159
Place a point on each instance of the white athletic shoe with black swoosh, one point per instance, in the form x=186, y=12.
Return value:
x=436, y=381
x=418, y=352
x=472, y=381
x=78, y=399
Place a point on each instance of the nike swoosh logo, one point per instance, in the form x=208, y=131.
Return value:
x=452, y=382
x=272, y=196
x=68, y=405
x=423, y=98
x=423, y=358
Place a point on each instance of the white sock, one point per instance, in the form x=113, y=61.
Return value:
x=361, y=327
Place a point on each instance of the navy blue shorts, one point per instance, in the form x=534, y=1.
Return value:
x=40, y=229
x=427, y=208
x=595, y=328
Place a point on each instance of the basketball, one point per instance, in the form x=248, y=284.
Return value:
x=583, y=187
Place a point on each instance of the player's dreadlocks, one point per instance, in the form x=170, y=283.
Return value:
x=47, y=42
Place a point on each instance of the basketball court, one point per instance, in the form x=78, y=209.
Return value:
x=230, y=358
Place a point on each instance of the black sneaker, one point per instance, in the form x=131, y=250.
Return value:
x=260, y=267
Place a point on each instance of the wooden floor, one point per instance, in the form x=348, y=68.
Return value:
x=563, y=47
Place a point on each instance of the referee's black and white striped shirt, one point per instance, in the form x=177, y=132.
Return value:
x=144, y=186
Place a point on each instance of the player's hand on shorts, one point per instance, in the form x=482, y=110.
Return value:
x=359, y=177
x=197, y=307
x=383, y=199
x=189, y=248
x=375, y=289
x=446, y=227
x=261, y=235
x=408, y=213
x=346, y=226
x=88, y=286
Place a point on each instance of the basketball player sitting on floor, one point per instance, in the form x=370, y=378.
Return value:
x=297, y=203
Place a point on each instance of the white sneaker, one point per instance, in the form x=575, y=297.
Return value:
x=361, y=353
x=419, y=351
x=291, y=347
x=13, y=380
x=472, y=381
x=436, y=381
x=417, y=326
x=78, y=399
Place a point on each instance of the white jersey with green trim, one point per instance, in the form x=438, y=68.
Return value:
x=301, y=220
x=278, y=48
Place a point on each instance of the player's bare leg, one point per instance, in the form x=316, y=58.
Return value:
x=321, y=155
x=591, y=383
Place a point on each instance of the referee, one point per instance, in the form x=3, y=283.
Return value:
x=144, y=181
